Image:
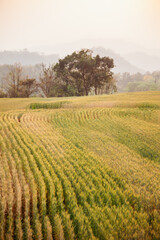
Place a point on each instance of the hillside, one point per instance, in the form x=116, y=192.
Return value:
x=26, y=58
x=145, y=61
x=32, y=58
x=80, y=167
x=121, y=64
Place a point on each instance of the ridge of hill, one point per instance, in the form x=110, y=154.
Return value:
x=26, y=58
x=121, y=64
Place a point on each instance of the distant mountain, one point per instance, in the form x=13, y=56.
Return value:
x=120, y=46
x=121, y=65
x=26, y=58
x=148, y=62
x=136, y=57
x=132, y=62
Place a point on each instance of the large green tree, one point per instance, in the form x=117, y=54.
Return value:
x=102, y=75
x=80, y=72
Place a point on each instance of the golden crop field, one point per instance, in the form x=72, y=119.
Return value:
x=80, y=168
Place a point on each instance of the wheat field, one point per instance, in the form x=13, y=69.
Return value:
x=80, y=167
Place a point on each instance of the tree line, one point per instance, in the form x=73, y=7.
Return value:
x=148, y=81
x=78, y=74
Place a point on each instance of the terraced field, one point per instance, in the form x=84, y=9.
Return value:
x=87, y=170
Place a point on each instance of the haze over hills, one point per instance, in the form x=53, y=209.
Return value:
x=26, y=58
x=31, y=58
x=128, y=56
x=144, y=61
x=63, y=48
x=134, y=55
x=121, y=65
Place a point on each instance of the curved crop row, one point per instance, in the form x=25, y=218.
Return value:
x=79, y=174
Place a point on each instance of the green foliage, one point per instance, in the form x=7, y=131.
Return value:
x=145, y=106
x=138, y=82
x=142, y=86
x=81, y=72
x=53, y=105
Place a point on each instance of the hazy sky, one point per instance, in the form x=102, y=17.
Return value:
x=28, y=23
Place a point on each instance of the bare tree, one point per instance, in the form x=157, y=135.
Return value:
x=13, y=79
x=27, y=87
x=46, y=80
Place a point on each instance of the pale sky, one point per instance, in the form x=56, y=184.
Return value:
x=29, y=23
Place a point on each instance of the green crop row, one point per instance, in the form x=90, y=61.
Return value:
x=53, y=105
